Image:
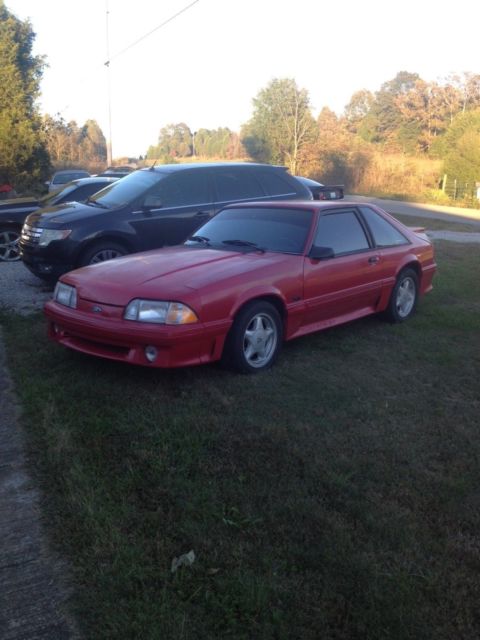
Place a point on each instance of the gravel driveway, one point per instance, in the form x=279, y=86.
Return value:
x=20, y=290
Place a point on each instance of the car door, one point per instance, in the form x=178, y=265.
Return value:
x=174, y=208
x=349, y=283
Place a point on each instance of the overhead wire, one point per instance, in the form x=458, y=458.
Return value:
x=130, y=46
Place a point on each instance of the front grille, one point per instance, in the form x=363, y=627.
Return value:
x=31, y=235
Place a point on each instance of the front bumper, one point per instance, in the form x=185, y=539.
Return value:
x=114, y=338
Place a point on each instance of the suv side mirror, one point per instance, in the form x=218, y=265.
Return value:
x=321, y=253
x=152, y=202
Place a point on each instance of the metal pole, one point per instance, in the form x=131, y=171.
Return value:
x=109, y=93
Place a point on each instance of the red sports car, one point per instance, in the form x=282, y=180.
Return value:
x=250, y=278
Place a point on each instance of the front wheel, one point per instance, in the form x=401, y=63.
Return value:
x=9, y=250
x=403, y=300
x=102, y=251
x=255, y=338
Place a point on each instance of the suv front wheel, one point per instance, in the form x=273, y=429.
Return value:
x=102, y=251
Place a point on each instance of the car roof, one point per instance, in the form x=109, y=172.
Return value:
x=92, y=180
x=205, y=165
x=294, y=204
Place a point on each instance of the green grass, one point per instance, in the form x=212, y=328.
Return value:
x=335, y=496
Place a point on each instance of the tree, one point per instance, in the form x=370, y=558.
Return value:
x=385, y=116
x=281, y=125
x=23, y=155
x=174, y=140
x=462, y=144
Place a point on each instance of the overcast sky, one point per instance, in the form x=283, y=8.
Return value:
x=205, y=66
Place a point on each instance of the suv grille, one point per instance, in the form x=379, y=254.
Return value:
x=30, y=235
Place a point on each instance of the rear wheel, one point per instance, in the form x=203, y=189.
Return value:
x=255, y=338
x=403, y=300
x=9, y=249
x=102, y=251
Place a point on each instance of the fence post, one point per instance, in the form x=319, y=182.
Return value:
x=455, y=189
x=444, y=182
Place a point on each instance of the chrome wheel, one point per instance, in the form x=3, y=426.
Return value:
x=260, y=340
x=406, y=296
x=105, y=254
x=9, y=250
x=255, y=338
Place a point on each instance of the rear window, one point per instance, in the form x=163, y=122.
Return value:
x=384, y=233
x=63, y=178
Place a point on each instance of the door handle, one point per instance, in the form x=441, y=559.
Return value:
x=374, y=260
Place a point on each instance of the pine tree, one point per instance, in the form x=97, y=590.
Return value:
x=23, y=156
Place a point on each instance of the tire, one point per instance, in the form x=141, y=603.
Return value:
x=102, y=251
x=9, y=250
x=255, y=338
x=404, y=297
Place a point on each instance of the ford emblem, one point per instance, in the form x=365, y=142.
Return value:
x=96, y=309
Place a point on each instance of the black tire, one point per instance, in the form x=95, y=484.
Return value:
x=404, y=297
x=9, y=249
x=255, y=339
x=100, y=252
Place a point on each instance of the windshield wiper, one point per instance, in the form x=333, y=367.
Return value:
x=200, y=239
x=94, y=203
x=244, y=243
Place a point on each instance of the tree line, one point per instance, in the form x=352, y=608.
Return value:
x=404, y=137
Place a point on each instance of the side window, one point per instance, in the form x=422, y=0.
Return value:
x=342, y=232
x=235, y=185
x=275, y=184
x=183, y=189
x=384, y=233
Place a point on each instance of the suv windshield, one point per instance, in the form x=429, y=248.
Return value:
x=268, y=228
x=128, y=189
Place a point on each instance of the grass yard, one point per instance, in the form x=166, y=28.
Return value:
x=335, y=497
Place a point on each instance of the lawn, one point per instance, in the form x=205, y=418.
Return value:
x=336, y=496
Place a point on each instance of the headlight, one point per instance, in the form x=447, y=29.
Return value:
x=65, y=294
x=48, y=235
x=159, y=312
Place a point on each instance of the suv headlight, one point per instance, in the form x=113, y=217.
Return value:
x=65, y=294
x=48, y=235
x=159, y=312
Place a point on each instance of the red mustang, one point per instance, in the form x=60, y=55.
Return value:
x=251, y=277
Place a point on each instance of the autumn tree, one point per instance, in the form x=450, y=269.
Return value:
x=462, y=148
x=23, y=156
x=281, y=125
x=174, y=141
x=69, y=144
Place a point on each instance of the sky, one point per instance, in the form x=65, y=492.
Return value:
x=205, y=66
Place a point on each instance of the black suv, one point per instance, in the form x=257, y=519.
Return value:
x=13, y=212
x=145, y=210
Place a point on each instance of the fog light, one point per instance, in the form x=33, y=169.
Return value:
x=55, y=328
x=151, y=353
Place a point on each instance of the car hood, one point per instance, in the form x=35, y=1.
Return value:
x=173, y=273
x=14, y=204
x=61, y=215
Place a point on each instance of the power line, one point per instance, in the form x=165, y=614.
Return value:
x=107, y=63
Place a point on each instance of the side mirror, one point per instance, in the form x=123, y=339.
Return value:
x=152, y=202
x=321, y=253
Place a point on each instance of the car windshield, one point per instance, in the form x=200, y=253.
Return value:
x=54, y=196
x=279, y=229
x=128, y=189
